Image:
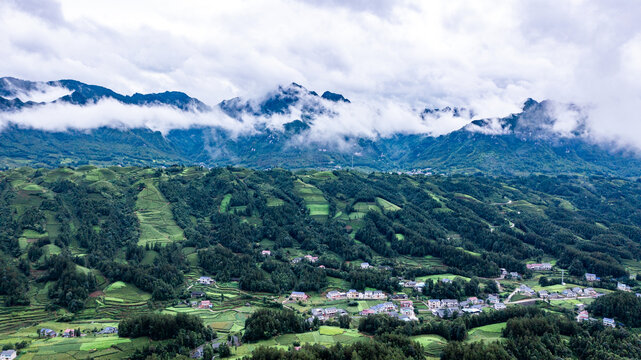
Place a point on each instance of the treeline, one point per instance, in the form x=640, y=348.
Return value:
x=455, y=329
x=13, y=282
x=267, y=323
x=620, y=305
x=179, y=334
x=229, y=215
x=162, y=327
x=384, y=347
x=542, y=337
x=71, y=285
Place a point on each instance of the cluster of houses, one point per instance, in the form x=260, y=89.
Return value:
x=44, y=332
x=404, y=312
x=539, y=267
x=310, y=258
x=509, y=275
x=416, y=285
x=575, y=292
x=472, y=305
x=356, y=295
x=326, y=314
x=585, y=316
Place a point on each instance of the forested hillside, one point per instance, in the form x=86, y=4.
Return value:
x=112, y=219
x=74, y=239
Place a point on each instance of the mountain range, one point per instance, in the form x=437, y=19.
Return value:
x=531, y=141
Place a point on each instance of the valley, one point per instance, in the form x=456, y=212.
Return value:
x=86, y=248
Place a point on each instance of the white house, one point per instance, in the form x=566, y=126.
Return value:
x=353, y=294
x=266, y=253
x=583, y=316
x=609, y=322
x=8, y=355
x=365, y=265
x=335, y=295
x=449, y=303
x=499, y=306
x=623, y=287
x=434, y=303
x=206, y=280
x=539, y=267
x=590, y=277
x=298, y=295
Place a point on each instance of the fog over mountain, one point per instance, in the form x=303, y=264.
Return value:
x=391, y=60
x=70, y=105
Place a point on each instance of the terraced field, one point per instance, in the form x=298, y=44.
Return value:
x=386, y=205
x=434, y=344
x=486, y=333
x=346, y=336
x=157, y=225
x=121, y=299
x=20, y=316
x=314, y=200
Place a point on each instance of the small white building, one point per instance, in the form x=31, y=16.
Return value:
x=266, y=253
x=353, y=294
x=623, y=287
x=609, y=322
x=499, y=306
x=434, y=303
x=205, y=280
x=8, y=355
x=590, y=277
x=335, y=295
x=365, y=265
x=583, y=316
x=450, y=303
x=298, y=295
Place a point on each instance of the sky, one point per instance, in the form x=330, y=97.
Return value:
x=485, y=55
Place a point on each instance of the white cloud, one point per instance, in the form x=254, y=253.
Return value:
x=484, y=55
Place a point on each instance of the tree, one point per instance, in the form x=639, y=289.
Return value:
x=208, y=352
x=224, y=350
x=576, y=268
x=344, y=321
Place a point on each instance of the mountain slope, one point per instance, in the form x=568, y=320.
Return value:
x=532, y=141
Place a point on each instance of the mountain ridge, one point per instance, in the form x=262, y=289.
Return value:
x=531, y=141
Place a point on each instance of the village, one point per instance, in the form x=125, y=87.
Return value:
x=399, y=305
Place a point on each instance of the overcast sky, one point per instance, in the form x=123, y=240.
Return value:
x=487, y=55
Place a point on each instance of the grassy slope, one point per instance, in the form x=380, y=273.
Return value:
x=157, y=224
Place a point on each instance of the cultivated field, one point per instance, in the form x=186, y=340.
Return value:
x=157, y=225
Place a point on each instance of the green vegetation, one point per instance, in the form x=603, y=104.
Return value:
x=157, y=225
x=92, y=246
x=314, y=200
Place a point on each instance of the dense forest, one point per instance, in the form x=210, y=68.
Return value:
x=474, y=225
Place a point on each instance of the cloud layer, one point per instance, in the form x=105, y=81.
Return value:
x=483, y=55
